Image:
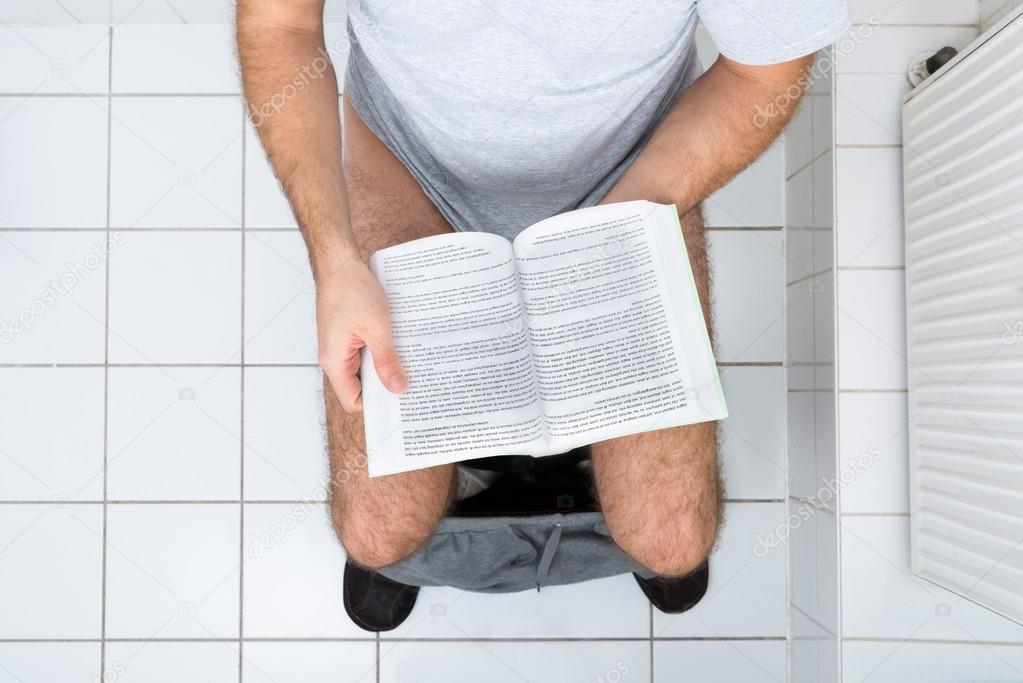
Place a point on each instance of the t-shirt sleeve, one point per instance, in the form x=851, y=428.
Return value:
x=773, y=31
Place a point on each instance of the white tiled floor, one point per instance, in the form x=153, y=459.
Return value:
x=161, y=452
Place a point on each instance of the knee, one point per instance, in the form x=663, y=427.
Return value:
x=674, y=547
x=376, y=542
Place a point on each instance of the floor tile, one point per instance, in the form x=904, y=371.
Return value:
x=60, y=179
x=293, y=570
x=265, y=203
x=52, y=297
x=38, y=462
x=54, y=59
x=176, y=162
x=607, y=608
x=748, y=295
x=49, y=662
x=753, y=436
x=156, y=662
x=172, y=571
x=197, y=319
x=168, y=425
x=174, y=58
x=285, y=453
x=514, y=662
x=280, y=299
x=178, y=11
x=754, y=198
x=38, y=545
x=309, y=662
x=721, y=661
x=746, y=595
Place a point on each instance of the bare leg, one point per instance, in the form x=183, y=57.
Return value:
x=382, y=520
x=660, y=491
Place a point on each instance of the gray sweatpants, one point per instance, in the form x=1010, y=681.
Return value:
x=507, y=554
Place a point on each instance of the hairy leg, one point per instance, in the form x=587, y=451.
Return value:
x=382, y=520
x=660, y=491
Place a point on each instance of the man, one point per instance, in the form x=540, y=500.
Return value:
x=492, y=115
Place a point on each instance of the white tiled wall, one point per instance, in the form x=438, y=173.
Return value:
x=891, y=623
x=161, y=456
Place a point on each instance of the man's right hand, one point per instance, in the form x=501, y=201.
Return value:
x=352, y=312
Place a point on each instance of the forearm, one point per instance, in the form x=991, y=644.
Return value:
x=711, y=133
x=291, y=91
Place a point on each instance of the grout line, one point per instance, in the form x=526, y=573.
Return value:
x=158, y=365
x=106, y=360
x=812, y=619
x=131, y=228
x=225, y=501
x=241, y=427
x=401, y=639
x=376, y=655
x=650, y=607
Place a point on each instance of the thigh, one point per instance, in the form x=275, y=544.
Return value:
x=660, y=486
x=387, y=207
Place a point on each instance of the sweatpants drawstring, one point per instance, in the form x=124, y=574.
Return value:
x=547, y=557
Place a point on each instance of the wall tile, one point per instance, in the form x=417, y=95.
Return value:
x=882, y=599
x=871, y=330
x=874, y=430
x=895, y=662
x=870, y=226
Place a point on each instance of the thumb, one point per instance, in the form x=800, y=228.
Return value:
x=388, y=366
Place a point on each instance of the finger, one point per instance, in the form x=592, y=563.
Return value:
x=346, y=385
x=388, y=367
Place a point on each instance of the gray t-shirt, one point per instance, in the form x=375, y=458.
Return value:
x=509, y=112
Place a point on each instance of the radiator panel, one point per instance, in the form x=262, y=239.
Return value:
x=963, y=186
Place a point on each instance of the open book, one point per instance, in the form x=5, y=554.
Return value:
x=587, y=327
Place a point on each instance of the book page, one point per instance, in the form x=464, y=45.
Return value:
x=458, y=328
x=606, y=326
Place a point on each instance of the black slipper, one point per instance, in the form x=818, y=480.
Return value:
x=375, y=602
x=675, y=595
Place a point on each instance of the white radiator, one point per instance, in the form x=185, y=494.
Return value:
x=963, y=178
